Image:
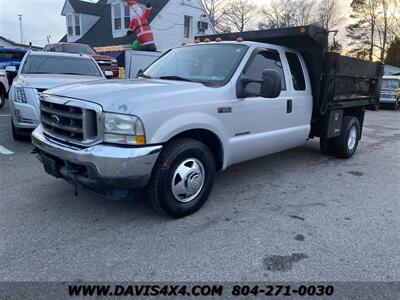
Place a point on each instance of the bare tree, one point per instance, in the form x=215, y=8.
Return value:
x=328, y=14
x=215, y=10
x=240, y=14
x=288, y=13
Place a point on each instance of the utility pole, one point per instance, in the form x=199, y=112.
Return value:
x=48, y=39
x=20, y=28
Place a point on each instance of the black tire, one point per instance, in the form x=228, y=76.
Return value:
x=328, y=146
x=2, y=100
x=160, y=190
x=344, y=150
x=17, y=135
x=396, y=105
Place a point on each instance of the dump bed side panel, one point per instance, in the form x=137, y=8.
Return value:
x=348, y=82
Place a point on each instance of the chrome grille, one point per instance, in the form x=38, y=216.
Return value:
x=70, y=123
x=104, y=63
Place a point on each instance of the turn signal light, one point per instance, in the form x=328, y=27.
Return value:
x=140, y=140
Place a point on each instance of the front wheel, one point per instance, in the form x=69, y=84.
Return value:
x=182, y=178
x=348, y=140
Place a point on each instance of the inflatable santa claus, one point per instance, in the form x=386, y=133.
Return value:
x=141, y=27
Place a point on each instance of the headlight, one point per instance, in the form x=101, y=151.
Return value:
x=19, y=94
x=123, y=129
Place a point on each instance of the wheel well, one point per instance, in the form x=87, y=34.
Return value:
x=357, y=112
x=208, y=138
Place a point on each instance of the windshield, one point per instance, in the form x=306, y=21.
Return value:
x=36, y=64
x=390, y=83
x=79, y=49
x=214, y=64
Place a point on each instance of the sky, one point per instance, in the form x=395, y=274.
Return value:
x=43, y=17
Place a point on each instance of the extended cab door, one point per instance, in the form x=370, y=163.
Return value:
x=264, y=126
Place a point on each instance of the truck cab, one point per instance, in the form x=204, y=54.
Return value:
x=201, y=108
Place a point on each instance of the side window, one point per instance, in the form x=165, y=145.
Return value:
x=299, y=83
x=268, y=59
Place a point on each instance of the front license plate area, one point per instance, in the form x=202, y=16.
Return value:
x=50, y=166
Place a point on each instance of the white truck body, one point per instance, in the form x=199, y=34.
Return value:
x=176, y=132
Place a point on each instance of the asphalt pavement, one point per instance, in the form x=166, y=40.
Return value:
x=295, y=215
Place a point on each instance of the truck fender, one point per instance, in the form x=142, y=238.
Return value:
x=191, y=121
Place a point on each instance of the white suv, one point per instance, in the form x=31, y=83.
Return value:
x=40, y=71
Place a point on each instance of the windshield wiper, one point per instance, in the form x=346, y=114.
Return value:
x=173, y=77
x=75, y=74
x=145, y=76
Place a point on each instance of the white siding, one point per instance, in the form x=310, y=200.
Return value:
x=67, y=9
x=168, y=25
x=86, y=22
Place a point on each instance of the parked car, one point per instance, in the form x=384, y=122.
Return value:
x=106, y=63
x=3, y=88
x=11, y=57
x=203, y=107
x=40, y=71
x=390, y=91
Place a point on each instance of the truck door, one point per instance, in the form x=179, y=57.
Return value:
x=300, y=88
x=262, y=125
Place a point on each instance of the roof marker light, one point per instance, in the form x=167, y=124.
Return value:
x=239, y=39
x=207, y=40
x=218, y=40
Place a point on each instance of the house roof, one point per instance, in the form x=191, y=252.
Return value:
x=100, y=34
x=18, y=45
x=95, y=9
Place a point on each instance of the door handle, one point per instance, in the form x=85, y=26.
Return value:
x=289, y=106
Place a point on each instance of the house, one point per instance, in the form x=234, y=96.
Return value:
x=7, y=43
x=104, y=23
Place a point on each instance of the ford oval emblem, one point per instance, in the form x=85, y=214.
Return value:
x=56, y=119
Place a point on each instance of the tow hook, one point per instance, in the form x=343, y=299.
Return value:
x=75, y=172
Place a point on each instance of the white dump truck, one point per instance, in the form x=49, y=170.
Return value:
x=201, y=108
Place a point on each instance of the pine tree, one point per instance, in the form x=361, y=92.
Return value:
x=393, y=54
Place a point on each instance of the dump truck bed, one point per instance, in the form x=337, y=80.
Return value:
x=337, y=81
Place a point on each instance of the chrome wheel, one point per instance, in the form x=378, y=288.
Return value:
x=351, y=142
x=188, y=180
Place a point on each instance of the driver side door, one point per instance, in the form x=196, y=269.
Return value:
x=262, y=124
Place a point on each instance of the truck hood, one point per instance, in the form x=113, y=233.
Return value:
x=124, y=95
x=48, y=81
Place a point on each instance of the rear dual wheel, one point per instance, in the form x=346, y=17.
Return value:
x=346, y=144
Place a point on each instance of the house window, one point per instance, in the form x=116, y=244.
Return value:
x=77, y=25
x=73, y=25
x=70, y=27
x=127, y=14
x=117, y=16
x=187, y=26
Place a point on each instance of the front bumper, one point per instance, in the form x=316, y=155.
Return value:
x=387, y=100
x=105, y=169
